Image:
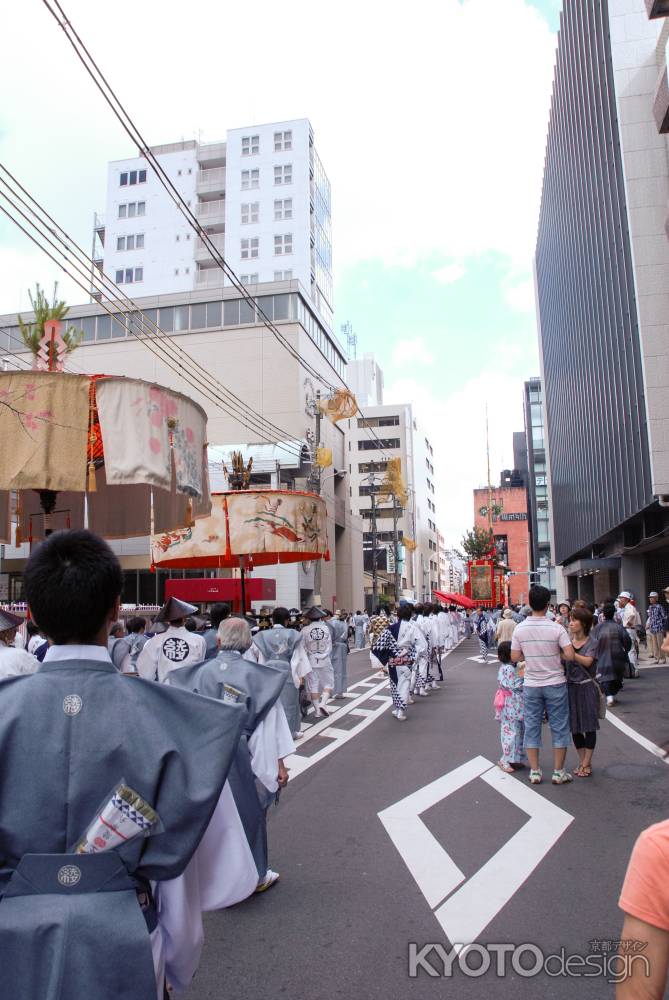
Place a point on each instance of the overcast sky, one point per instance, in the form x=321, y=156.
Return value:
x=430, y=119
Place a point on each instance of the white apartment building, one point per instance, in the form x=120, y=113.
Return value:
x=385, y=432
x=223, y=332
x=261, y=195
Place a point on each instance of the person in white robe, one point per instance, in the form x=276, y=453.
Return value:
x=318, y=645
x=175, y=647
x=13, y=661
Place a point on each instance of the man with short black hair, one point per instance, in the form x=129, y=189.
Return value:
x=542, y=644
x=72, y=735
x=219, y=612
x=282, y=647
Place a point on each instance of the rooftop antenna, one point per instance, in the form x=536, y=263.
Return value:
x=487, y=451
x=351, y=339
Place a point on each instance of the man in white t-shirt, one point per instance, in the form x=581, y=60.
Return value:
x=630, y=619
x=543, y=644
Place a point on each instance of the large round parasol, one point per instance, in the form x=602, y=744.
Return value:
x=130, y=446
x=248, y=528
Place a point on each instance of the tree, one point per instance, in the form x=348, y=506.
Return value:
x=479, y=543
x=44, y=310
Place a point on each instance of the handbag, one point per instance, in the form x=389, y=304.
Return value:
x=601, y=707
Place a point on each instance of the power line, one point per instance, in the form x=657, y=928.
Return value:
x=203, y=381
x=121, y=297
x=105, y=88
x=133, y=132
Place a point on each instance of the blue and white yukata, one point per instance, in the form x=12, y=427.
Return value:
x=511, y=715
x=482, y=628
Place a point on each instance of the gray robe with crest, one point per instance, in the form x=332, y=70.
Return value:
x=71, y=927
x=232, y=678
x=277, y=646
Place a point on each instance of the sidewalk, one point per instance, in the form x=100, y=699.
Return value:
x=643, y=702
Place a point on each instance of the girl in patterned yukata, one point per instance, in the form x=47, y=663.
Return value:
x=510, y=711
x=481, y=624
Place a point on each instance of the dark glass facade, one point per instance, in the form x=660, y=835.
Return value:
x=594, y=397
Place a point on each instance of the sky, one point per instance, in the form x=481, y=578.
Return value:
x=430, y=120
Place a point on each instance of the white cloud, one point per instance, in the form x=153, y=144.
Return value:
x=412, y=352
x=449, y=274
x=520, y=297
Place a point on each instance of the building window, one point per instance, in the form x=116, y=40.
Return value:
x=139, y=241
x=133, y=177
x=129, y=276
x=249, y=279
x=283, y=141
x=131, y=209
x=120, y=243
x=124, y=179
x=250, y=179
x=249, y=248
x=370, y=444
x=283, y=244
x=283, y=275
x=122, y=211
x=250, y=212
x=283, y=174
x=250, y=145
x=283, y=209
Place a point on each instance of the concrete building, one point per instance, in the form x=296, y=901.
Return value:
x=222, y=332
x=391, y=431
x=510, y=525
x=262, y=196
x=537, y=486
x=450, y=568
x=365, y=380
x=602, y=280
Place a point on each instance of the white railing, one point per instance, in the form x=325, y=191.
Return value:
x=218, y=240
x=205, y=209
x=214, y=177
x=210, y=277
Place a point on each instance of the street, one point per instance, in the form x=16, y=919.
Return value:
x=341, y=920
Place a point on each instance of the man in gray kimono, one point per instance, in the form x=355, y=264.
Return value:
x=339, y=632
x=80, y=925
x=266, y=737
x=283, y=647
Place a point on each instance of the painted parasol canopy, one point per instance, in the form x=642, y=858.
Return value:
x=65, y=435
x=263, y=527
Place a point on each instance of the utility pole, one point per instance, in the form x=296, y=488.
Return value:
x=396, y=548
x=371, y=479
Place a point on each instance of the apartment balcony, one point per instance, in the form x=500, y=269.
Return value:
x=211, y=181
x=212, y=153
x=210, y=277
x=202, y=252
x=657, y=8
x=211, y=213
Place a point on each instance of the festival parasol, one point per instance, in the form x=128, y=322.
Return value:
x=131, y=448
x=461, y=599
x=248, y=528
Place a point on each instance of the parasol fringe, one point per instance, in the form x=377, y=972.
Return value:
x=189, y=520
x=92, y=481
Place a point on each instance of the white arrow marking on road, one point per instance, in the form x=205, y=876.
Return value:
x=469, y=910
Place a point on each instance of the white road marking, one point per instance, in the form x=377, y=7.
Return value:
x=363, y=712
x=469, y=910
x=637, y=737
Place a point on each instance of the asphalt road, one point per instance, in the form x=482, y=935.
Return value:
x=477, y=856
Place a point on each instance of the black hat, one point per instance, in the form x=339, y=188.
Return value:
x=8, y=620
x=174, y=609
x=314, y=614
